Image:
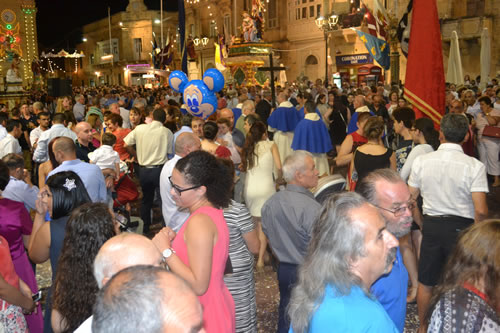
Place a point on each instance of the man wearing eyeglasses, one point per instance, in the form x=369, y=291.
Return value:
x=385, y=189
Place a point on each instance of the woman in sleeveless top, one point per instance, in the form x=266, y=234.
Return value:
x=260, y=159
x=15, y=227
x=199, y=251
x=63, y=192
x=373, y=155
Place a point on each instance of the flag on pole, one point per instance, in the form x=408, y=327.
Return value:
x=371, y=23
x=424, y=82
x=403, y=31
x=381, y=18
x=378, y=48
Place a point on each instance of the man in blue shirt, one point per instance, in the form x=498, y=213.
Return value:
x=385, y=189
x=90, y=174
x=20, y=188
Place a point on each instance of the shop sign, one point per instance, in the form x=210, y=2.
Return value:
x=353, y=59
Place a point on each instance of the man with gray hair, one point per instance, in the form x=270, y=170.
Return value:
x=473, y=107
x=453, y=186
x=350, y=249
x=124, y=113
x=174, y=216
x=264, y=107
x=387, y=191
x=147, y=299
x=359, y=106
x=247, y=108
x=117, y=253
x=287, y=219
x=78, y=108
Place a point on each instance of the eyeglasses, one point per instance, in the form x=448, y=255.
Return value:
x=401, y=210
x=179, y=190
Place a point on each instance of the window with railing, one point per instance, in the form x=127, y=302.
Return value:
x=306, y=9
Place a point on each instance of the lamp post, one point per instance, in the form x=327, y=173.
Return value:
x=204, y=42
x=328, y=25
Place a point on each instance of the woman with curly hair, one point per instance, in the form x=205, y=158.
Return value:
x=75, y=287
x=199, y=251
x=63, y=192
x=468, y=297
x=260, y=158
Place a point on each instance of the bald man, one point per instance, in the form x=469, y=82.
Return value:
x=90, y=174
x=83, y=141
x=173, y=216
x=119, y=252
x=360, y=106
x=147, y=299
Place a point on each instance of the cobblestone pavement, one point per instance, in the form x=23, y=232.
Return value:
x=266, y=282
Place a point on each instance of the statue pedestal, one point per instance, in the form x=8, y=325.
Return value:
x=244, y=60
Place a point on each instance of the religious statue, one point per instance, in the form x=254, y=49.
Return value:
x=248, y=28
x=14, y=81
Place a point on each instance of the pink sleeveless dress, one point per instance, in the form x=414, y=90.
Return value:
x=217, y=302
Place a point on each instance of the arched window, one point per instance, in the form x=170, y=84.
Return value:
x=311, y=60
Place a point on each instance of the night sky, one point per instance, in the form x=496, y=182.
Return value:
x=59, y=22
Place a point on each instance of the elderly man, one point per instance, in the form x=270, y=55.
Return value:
x=247, y=108
x=90, y=174
x=350, y=249
x=147, y=299
x=360, y=106
x=185, y=126
x=282, y=122
x=473, y=107
x=385, y=189
x=238, y=136
x=453, y=186
x=83, y=142
x=173, y=216
x=79, y=108
x=264, y=107
x=58, y=128
x=124, y=113
x=20, y=188
x=153, y=143
x=287, y=219
x=119, y=252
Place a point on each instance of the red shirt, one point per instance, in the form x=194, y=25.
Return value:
x=121, y=133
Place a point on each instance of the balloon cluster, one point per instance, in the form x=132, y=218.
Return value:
x=199, y=95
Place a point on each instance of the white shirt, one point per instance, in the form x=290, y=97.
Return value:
x=86, y=326
x=446, y=178
x=8, y=145
x=104, y=157
x=474, y=109
x=153, y=143
x=35, y=135
x=18, y=190
x=126, y=117
x=41, y=153
x=3, y=132
x=173, y=216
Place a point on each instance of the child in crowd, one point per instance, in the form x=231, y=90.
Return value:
x=225, y=138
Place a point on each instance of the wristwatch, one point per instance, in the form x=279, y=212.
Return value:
x=167, y=253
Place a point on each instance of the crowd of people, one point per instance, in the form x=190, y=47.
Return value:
x=237, y=193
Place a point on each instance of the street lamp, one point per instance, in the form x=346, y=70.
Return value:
x=328, y=25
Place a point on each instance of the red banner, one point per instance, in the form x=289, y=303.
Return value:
x=424, y=82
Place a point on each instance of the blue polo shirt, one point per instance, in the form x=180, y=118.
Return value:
x=352, y=313
x=391, y=290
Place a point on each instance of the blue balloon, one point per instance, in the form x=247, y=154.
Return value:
x=199, y=95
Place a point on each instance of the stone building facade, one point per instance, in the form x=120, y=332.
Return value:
x=300, y=44
x=132, y=46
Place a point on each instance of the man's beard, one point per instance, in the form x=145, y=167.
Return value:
x=396, y=229
x=391, y=256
